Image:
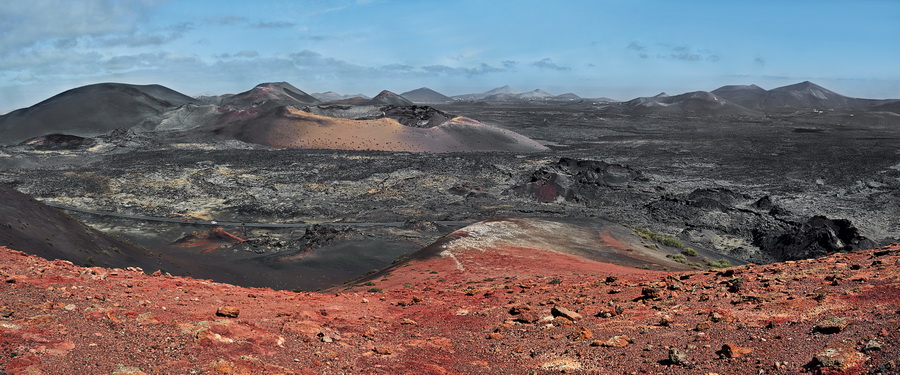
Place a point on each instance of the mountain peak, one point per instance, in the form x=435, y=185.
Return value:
x=426, y=95
x=390, y=97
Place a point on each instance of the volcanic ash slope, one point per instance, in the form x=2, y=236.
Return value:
x=288, y=127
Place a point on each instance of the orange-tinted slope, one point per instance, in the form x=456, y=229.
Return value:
x=288, y=127
x=836, y=313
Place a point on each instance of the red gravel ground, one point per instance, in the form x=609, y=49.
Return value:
x=507, y=311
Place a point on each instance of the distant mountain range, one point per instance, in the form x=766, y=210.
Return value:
x=508, y=94
x=753, y=100
x=95, y=110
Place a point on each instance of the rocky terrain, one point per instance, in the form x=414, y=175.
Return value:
x=543, y=312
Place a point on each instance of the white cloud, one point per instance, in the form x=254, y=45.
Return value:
x=26, y=23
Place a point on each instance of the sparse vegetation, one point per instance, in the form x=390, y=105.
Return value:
x=374, y=290
x=401, y=258
x=368, y=283
x=689, y=252
x=680, y=258
x=677, y=257
x=665, y=240
x=554, y=281
x=723, y=263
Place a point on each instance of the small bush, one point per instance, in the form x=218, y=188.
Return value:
x=677, y=257
x=554, y=281
x=671, y=242
x=368, y=283
x=649, y=235
x=374, y=290
x=689, y=252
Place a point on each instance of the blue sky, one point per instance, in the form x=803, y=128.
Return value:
x=619, y=49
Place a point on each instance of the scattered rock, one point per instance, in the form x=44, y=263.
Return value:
x=733, y=351
x=614, y=342
x=651, y=292
x=581, y=333
x=383, y=350
x=665, y=321
x=871, y=345
x=228, y=311
x=565, y=313
x=561, y=365
x=832, y=325
x=524, y=314
x=837, y=358
x=676, y=357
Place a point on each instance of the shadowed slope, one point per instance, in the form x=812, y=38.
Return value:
x=31, y=226
x=748, y=96
x=90, y=110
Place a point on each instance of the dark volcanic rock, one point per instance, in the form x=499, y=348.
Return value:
x=574, y=179
x=760, y=222
x=816, y=237
x=58, y=142
x=416, y=116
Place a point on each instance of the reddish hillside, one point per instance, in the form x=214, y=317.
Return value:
x=834, y=314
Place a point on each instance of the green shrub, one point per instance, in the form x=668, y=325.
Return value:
x=677, y=257
x=649, y=235
x=554, y=281
x=671, y=242
x=689, y=252
x=724, y=263
x=374, y=290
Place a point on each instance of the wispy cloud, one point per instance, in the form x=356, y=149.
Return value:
x=274, y=25
x=666, y=51
x=547, y=63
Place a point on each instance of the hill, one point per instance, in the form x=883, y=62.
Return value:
x=90, y=111
x=748, y=96
x=288, y=127
x=331, y=95
x=698, y=103
x=425, y=95
x=270, y=94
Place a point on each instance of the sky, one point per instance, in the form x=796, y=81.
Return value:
x=594, y=48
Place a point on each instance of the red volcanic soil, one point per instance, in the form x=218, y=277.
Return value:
x=288, y=127
x=837, y=314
